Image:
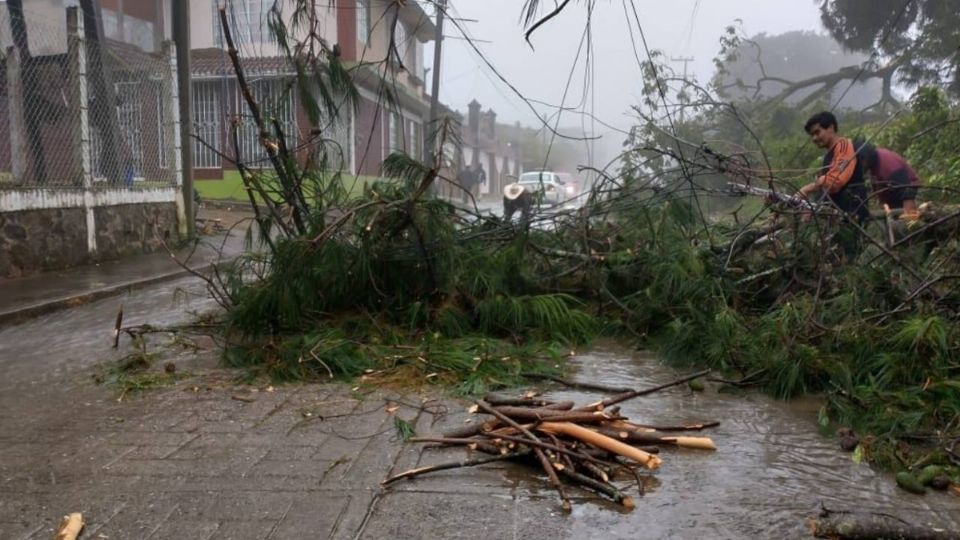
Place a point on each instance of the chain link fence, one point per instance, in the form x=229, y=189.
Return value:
x=78, y=110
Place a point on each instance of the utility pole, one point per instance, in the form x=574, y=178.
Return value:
x=686, y=61
x=181, y=37
x=431, y=153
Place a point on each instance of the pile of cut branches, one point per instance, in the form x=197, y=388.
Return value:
x=591, y=447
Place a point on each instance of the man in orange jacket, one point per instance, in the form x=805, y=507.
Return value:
x=841, y=176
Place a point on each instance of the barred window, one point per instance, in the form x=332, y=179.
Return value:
x=207, y=114
x=363, y=20
x=247, y=19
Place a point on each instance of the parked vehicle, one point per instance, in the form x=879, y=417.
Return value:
x=550, y=187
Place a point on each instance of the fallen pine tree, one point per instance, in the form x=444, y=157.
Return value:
x=393, y=285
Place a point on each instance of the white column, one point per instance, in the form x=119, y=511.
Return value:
x=17, y=126
x=174, y=108
x=78, y=55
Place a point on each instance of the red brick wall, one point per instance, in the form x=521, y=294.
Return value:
x=347, y=28
x=148, y=10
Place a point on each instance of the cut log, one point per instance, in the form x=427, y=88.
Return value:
x=626, y=435
x=445, y=466
x=684, y=427
x=70, y=527
x=601, y=486
x=863, y=526
x=593, y=438
x=613, y=400
x=476, y=428
x=538, y=415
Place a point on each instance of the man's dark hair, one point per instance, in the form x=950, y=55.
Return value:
x=823, y=119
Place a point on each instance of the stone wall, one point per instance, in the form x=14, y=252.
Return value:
x=33, y=241
x=129, y=229
x=36, y=240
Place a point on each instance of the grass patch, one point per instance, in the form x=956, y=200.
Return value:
x=230, y=187
x=135, y=373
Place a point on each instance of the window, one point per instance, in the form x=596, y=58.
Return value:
x=395, y=134
x=418, y=60
x=338, y=139
x=277, y=101
x=400, y=40
x=248, y=21
x=363, y=20
x=416, y=141
x=206, y=124
x=408, y=49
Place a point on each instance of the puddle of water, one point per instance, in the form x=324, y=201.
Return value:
x=770, y=473
x=60, y=344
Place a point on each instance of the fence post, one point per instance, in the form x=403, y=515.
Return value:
x=77, y=48
x=172, y=110
x=17, y=126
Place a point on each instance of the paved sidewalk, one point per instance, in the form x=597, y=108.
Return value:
x=22, y=299
x=210, y=459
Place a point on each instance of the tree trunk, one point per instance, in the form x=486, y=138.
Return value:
x=103, y=107
x=28, y=78
x=864, y=525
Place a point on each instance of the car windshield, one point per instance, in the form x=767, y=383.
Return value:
x=535, y=178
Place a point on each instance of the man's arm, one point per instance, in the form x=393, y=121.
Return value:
x=841, y=169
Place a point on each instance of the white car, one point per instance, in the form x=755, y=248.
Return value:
x=551, y=187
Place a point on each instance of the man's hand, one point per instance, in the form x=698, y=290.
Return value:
x=806, y=190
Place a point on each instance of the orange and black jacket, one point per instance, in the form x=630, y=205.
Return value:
x=842, y=179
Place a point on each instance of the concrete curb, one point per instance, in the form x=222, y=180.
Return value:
x=45, y=307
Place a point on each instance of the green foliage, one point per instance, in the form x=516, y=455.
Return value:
x=928, y=136
x=920, y=33
x=404, y=429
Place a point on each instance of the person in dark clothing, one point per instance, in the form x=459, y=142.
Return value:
x=840, y=178
x=479, y=175
x=892, y=179
x=466, y=179
x=516, y=197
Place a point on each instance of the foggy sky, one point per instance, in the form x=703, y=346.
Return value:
x=542, y=73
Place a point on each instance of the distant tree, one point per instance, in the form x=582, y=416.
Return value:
x=763, y=66
x=920, y=38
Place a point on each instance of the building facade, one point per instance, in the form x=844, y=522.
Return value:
x=391, y=111
x=483, y=142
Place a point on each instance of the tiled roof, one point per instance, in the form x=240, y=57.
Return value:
x=215, y=62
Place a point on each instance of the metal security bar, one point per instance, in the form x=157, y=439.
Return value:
x=277, y=102
x=208, y=116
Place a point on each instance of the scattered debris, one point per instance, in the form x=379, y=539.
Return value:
x=591, y=447
x=70, y=527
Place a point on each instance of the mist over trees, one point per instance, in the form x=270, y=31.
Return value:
x=764, y=65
